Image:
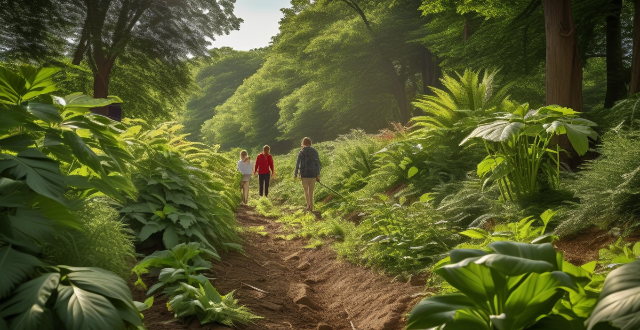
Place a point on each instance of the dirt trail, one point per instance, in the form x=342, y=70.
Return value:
x=301, y=289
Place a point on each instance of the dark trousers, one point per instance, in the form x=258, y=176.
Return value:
x=264, y=183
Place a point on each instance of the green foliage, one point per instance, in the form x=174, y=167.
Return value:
x=520, y=157
x=190, y=292
x=183, y=193
x=38, y=138
x=513, y=286
x=618, y=253
x=265, y=207
x=306, y=225
x=624, y=115
x=218, y=82
x=103, y=242
x=208, y=305
x=72, y=298
x=606, y=187
x=619, y=300
x=182, y=263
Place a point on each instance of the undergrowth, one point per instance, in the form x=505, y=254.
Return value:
x=104, y=241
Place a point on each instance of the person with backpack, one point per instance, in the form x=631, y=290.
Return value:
x=308, y=165
x=265, y=170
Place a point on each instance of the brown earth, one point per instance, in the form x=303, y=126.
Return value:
x=293, y=287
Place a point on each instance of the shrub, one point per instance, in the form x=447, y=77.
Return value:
x=178, y=197
x=607, y=186
x=103, y=241
x=190, y=292
x=521, y=160
x=37, y=139
x=514, y=286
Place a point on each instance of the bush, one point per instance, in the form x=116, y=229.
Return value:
x=184, y=194
x=607, y=187
x=103, y=242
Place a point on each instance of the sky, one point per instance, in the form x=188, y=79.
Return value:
x=261, y=19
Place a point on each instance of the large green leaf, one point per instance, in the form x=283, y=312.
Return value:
x=534, y=297
x=12, y=86
x=475, y=281
x=84, y=310
x=15, y=266
x=83, y=153
x=27, y=304
x=39, y=171
x=45, y=112
x=541, y=252
x=100, y=281
x=498, y=131
x=438, y=310
x=514, y=266
x=38, y=81
x=619, y=302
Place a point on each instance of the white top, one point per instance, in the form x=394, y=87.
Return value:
x=245, y=168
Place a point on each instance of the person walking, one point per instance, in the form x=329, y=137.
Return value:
x=264, y=168
x=244, y=166
x=308, y=165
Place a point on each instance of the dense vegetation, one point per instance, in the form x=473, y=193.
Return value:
x=460, y=140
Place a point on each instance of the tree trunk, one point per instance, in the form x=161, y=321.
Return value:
x=616, y=89
x=563, y=69
x=635, y=63
x=101, y=78
x=430, y=71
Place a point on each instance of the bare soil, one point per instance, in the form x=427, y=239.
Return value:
x=293, y=287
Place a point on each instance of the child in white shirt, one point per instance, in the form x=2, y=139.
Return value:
x=244, y=166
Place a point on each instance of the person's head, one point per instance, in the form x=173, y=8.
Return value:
x=243, y=154
x=306, y=142
x=266, y=150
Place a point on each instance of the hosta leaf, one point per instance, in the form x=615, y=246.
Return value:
x=438, y=310
x=542, y=252
x=458, y=255
x=83, y=310
x=514, y=266
x=39, y=171
x=534, y=297
x=558, y=322
x=29, y=225
x=27, y=304
x=475, y=281
x=15, y=266
x=619, y=302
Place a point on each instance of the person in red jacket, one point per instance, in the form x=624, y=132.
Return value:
x=264, y=168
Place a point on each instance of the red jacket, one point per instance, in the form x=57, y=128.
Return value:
x=263, y=164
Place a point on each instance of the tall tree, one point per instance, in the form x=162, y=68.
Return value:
x=635, y=62
x=396, y=78
x=563, y=69
x=218, y=82
x=161, y=29
x=616, y=88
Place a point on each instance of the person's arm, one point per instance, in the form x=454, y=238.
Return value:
x=273, y=171
x=319, y=166
x=295, y=174
x=256, y=167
